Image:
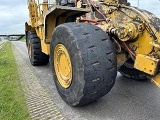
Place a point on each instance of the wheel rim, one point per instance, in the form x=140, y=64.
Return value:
x=63, y=66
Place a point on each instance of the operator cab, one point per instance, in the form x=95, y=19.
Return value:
x=70, y=3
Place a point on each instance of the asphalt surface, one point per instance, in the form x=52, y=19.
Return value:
x=128, y=99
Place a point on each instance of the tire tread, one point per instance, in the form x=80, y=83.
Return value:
x=38, y=57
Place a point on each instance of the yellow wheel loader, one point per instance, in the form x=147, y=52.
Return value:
x=88, y=41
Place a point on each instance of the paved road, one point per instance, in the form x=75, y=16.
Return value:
x=128, y=100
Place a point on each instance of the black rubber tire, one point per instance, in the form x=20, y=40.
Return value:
x=93, y=62
x=128, y=71
x=37, y=57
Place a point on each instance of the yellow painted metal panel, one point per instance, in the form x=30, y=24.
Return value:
x=146, y=64
x=45, y=47
x=142, y=45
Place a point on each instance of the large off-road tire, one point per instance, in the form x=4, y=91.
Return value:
x=36, y=56
x=127, y=70
x=83, y=62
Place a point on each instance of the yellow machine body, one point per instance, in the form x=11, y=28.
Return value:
x=136, y=32
x=44, y=17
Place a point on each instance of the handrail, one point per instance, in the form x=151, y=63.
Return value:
x=38, y=10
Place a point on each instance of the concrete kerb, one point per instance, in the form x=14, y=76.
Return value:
x=39, y=103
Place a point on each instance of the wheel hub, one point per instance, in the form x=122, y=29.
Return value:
x=62, y=65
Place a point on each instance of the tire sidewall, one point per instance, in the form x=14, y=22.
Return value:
x=37, y=56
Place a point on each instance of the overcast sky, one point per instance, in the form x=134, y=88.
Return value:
x=14, y=13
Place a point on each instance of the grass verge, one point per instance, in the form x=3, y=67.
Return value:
x=12, y=100
x=23, y=39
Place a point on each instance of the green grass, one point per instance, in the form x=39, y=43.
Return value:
x=23, y=39
x=12, y=101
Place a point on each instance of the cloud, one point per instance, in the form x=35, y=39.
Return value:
x=13, y=16
x=149, y=5
x=14, y=13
